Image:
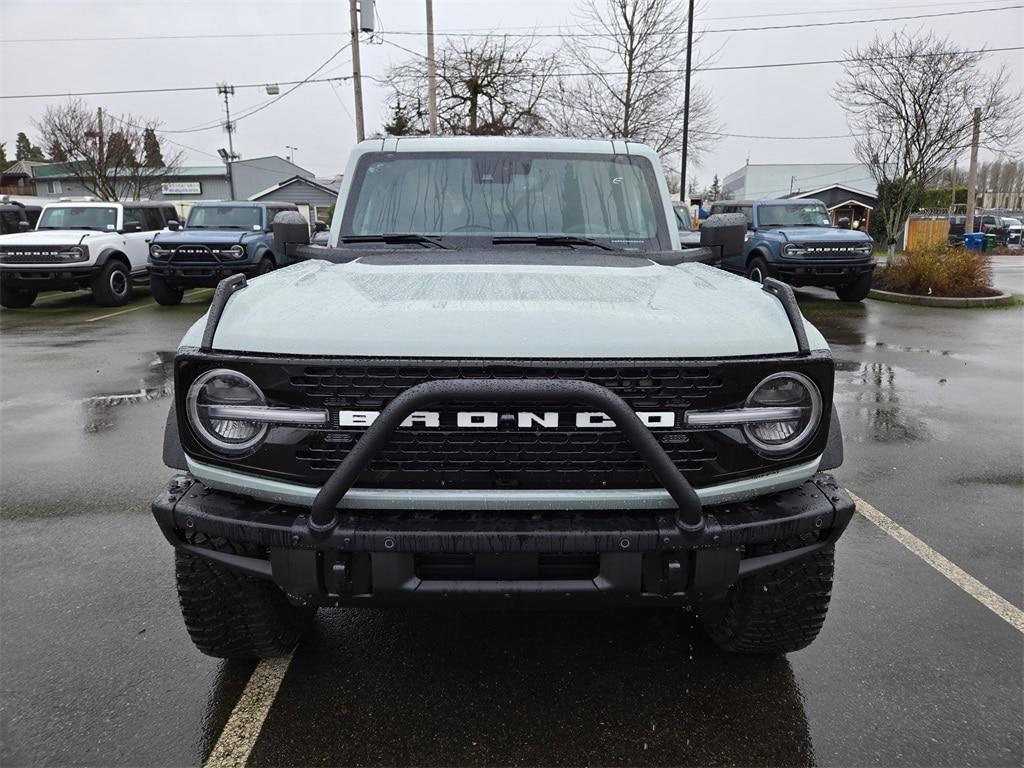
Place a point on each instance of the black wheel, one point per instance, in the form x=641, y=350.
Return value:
x=165, y=293
x=757, y=269
x=112, y=287
x=16, y=298
x=233, y=616
x=855, y=291
x=777, y=611
x=266, y=265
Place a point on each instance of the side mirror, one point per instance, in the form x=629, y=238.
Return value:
x=320, y=227
x=725, y=231
x=173, y=225
x=24, y=226
x=290, y=231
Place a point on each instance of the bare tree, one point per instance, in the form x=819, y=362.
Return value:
x=105, y=154
x=489, y=86
x=625, y=61
x=910, y=98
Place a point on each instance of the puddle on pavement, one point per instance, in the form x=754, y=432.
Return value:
x=870, y=391
x=100, y=410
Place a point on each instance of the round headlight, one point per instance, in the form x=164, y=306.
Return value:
x=77, y=253
x=209, y=401
x=236, y=251
x=792, y=391
x=156, y=250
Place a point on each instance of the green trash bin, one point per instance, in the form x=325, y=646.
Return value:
x=990, y=242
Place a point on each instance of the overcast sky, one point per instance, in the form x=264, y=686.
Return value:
x=317, y=118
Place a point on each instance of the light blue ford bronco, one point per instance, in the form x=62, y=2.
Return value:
x=794, y=241
x=503, y=382
x=219, y=239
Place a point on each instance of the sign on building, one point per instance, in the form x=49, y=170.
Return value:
x=181, y=188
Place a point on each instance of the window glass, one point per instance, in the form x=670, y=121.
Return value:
x=78, y=217
x=793, y=215
x=9, y=220
x=154, y=219
x=747, y=211
x=486, y=195
x=225, y=217
x=170, y=214
x=133, y=220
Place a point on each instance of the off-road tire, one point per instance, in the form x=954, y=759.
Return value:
x=855, y=291
x=16, y=298
x=165, y=294
x=112, y=286
x=778, y=611
x=757, y=269
x=230, y=615
x=266, y=265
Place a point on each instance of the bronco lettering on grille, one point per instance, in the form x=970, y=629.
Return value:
x=520, y=419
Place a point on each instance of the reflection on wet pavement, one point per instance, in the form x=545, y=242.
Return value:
x=378, y=687
x=157, y=383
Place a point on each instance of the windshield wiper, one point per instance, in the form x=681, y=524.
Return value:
x=569, y=240
x=396, y=239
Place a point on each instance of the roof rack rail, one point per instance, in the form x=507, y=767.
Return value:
x=784, y=293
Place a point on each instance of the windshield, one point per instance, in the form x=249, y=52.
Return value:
x=225, y=217
x=1011, y=222
x=78, y=217
x=796, y=215
x=453, y=197
x=683, y=217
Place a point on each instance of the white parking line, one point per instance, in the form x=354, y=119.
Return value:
x=1000, y=606
x=198, y=292
x=236, y=741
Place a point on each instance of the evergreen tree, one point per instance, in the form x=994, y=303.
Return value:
x=57, y=153
x=26, y=150
x=3, y=155
x=153, y=156
x=715, y=190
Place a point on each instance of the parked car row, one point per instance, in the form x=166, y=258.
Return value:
x=110, y=247
x=1006, y=229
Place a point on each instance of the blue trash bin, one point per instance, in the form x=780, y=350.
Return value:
x=974, y=241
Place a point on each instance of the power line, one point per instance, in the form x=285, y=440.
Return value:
x=535, y=33
x=676, y=70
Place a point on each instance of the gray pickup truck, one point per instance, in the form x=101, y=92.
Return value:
x=501, y=382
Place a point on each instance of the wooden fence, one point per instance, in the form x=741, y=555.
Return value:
x=925, y=232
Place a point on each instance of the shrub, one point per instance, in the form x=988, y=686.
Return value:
x=939, y=271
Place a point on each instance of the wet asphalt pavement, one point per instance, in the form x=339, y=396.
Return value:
x=96, y=667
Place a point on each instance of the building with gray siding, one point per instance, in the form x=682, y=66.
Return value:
x=187, y=183
x=776, y=180
x=306, y=193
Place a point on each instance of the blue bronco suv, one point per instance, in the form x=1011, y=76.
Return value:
x=219, y=239
x=794, y=241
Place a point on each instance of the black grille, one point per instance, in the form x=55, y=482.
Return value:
x=33, y=255
x=186, y=253
x=507, y=457
x=831, y=251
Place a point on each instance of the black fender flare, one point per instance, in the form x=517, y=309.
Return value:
x=173, y=454
x=107, y=253
x=265, y=251
x=833, y=455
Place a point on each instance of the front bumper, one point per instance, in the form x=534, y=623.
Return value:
x=49, y=277
x=200, y=274
x=820, y=272
x=380, y=557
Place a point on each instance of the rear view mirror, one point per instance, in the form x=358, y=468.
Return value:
x=725, y=231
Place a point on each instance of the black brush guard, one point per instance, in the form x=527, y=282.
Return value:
x=323, y=516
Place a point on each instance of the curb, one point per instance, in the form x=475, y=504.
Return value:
x=1002, y=300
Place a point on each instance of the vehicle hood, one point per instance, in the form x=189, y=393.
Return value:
x=821, y=235
x=204, y=236
x=509, y=310
x=50, y=237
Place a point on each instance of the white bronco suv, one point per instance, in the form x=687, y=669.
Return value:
x=95, y=245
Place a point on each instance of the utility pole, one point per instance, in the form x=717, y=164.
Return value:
x=100, y=148
x=229, y=90
x=357, y=78
x=952, y=199
x=291, y=152
x=972, y=171
x=686, y=102
x=431, y=70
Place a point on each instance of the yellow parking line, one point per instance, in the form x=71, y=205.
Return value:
x=999, y=605
x=236, y=741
